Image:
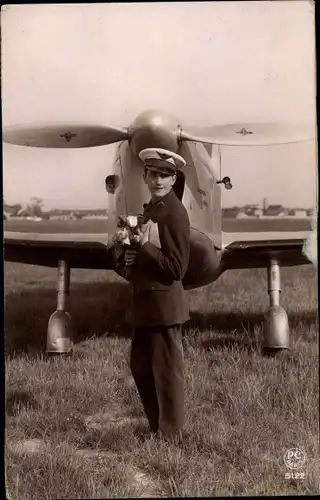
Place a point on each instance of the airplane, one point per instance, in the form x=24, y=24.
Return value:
x=212, y=252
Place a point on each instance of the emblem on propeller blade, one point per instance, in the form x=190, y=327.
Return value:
x=68, y=136
x=244, y=131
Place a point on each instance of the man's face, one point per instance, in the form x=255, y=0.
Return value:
x=159, y=184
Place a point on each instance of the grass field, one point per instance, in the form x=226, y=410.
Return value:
x=74, y=424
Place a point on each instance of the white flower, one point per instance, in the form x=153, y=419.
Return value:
x=126, y=241
x=122, y=233
x=136, y=238
x=132, y=220
x=122, y=236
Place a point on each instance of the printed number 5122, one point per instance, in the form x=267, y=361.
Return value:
x=295, y=475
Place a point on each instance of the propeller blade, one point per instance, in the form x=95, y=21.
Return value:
x=64, y=136
x=250, y=134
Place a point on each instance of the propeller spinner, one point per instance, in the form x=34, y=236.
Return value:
x=154, y=128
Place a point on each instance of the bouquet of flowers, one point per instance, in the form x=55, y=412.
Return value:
x=127, y=230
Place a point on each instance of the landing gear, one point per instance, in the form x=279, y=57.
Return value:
x=60, y=330
x=276, y=325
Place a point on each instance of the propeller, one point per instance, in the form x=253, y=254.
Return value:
x=64, y=136
x=250, y=134
x=150, y=124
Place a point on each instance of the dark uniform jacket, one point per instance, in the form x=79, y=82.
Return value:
x=157, y=294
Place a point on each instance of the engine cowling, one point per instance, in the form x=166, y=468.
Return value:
x=154, y=129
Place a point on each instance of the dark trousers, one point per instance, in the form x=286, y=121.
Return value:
x=156, y=363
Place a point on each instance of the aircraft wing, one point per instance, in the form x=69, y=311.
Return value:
x=86, y=250
x=253, y=250
x=81, y=250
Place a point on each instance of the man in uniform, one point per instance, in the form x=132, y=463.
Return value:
x=159, y=304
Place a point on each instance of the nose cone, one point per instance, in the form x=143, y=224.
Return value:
x=156, y=118
x=154, y=129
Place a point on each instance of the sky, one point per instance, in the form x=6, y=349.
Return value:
x=206, y=63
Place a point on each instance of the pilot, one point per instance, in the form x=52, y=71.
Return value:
x=159, y=305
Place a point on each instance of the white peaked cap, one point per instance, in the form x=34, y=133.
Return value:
x=165, y=155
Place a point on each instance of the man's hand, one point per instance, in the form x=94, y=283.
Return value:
x=144, y=233
x=130, y=257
